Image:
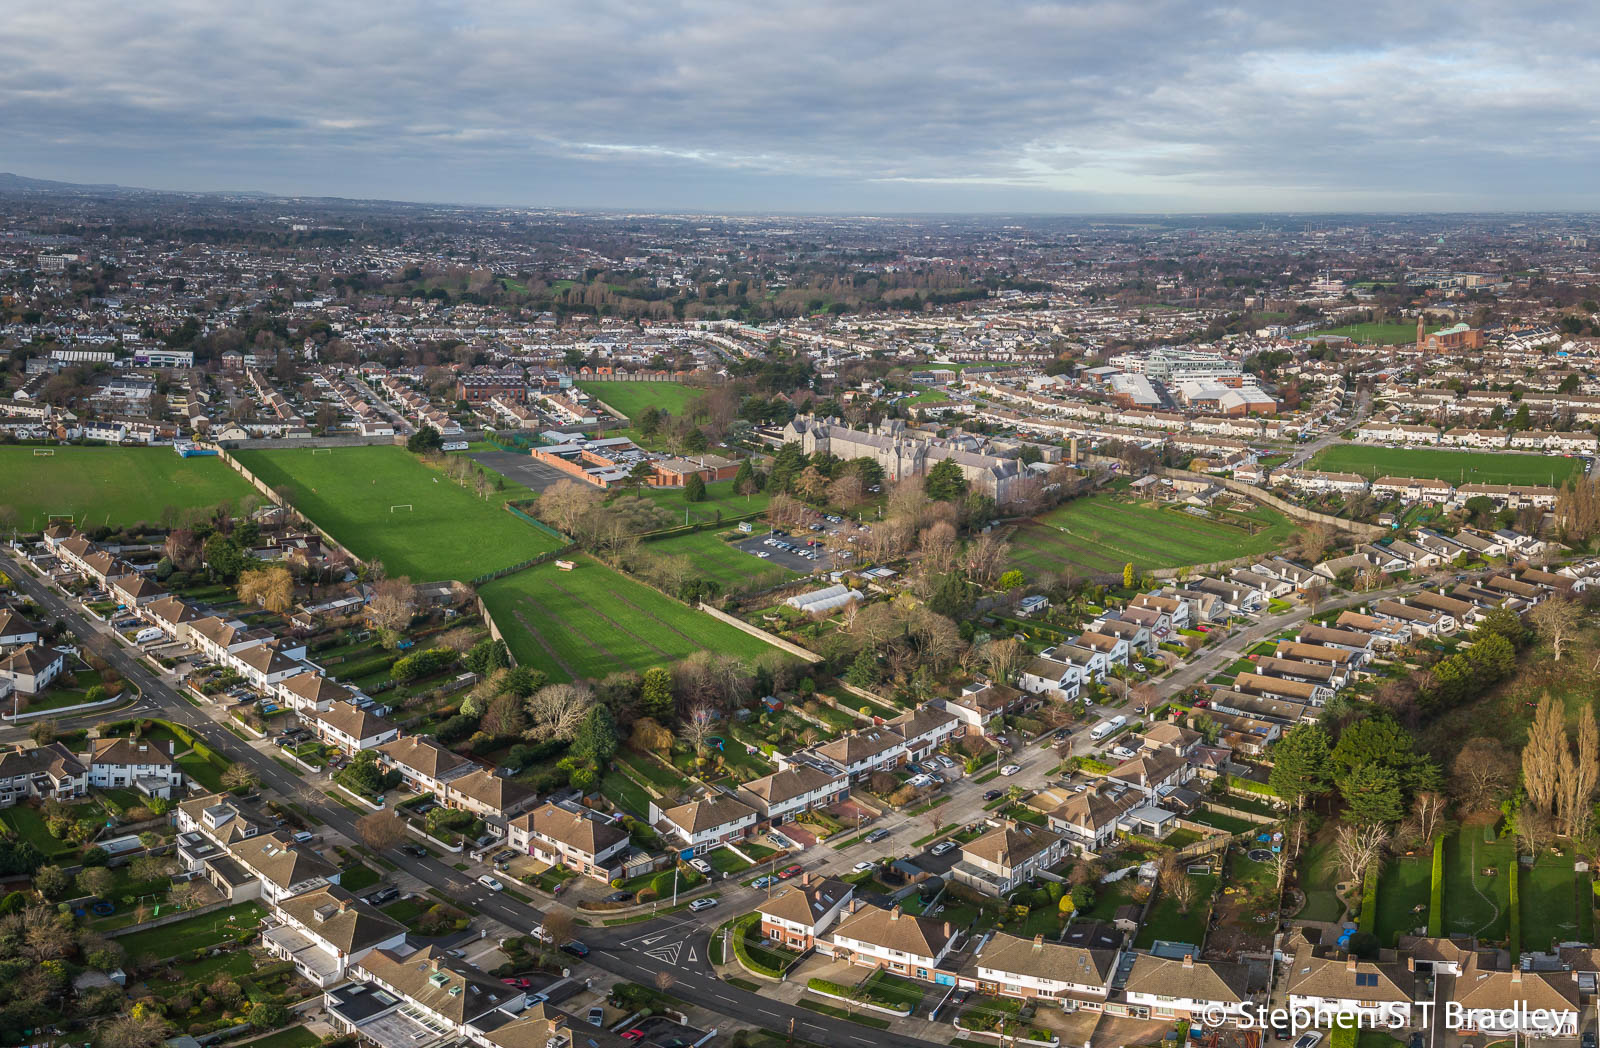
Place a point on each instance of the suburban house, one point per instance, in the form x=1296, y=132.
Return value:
x=30, y=669
x=276, y=870
x=1515, y=1002
x=799, y=912
x=1070, y=975
x=422, y=762
x=323, y=932
x=1008, y=856
x=904, y=944
x=1044, y=676
x=136, y=590
x=487, y=795
x=351, y=728
x=173, y=616
x=1376, y=991
x=134, y=764
x=798, y=788
x=421, y=998
x=1089, y=819
x=591, y=845
x=42, y=772
x=309, y=691
x=704, y=823
x=1152, y=772
x=15, y=630
x=1163, y=988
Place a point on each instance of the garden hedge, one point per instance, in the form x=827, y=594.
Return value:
x=1436, y=891
x=1515, y=942
x=742, y=951
x=1368, y=921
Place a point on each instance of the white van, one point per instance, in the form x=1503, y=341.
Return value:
x=148, y=634
x=1105, y=728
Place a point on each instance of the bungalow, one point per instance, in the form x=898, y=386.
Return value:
x=351, y=728
x=1244, y=733
x=1265, y=708
x=1331, y=677
x=798, y=913
x=1011, y=966
x=1422, y=622
x=323, y=932
x=904, y=944
x=1007, y=857
x=1167, y=989
x=1278, y=687
x=705, y=823
x=422, y=762
x=1465, y=613
x=1414, y=489
x=1350, y=640
x=120, y=764
x=1387, y=631
x=581, y=841
x=30, y=669
x=1169, y=735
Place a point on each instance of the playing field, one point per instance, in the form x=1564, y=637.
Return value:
x=448, y=533
x=1375, y=334
x=1456, y=467
x=1101, y=533
x=593, y=621
x=114, y=486
x=717, y=559
x=631, y=398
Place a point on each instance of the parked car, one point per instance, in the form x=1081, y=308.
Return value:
x=992, y=795
x=619, y=897
x=597, y=1016
x=703, y=904
x=944, y=847
x=1010, y=769
x=762, y=882
x=521, y=984
x=492, y=883
x=863, y=867
x=1308, y=1040
x=790, y=871
x=877, y=835
x=946, y=762
x=701, y=865
x=575, y=948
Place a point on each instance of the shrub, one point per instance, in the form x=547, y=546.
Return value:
x=1515, y=942
x=1436, y=890
x=1368, y=921
x=742, y=930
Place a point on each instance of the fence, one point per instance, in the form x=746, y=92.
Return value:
x=261, y=486
x=756, y=631
x=536, y=522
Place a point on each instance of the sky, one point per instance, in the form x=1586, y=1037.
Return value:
x=824, y=106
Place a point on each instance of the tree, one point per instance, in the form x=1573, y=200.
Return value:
x=239, y=777
x=1300, y=763
x=1373, y=740
x=1358, y=847
x=1313, y=542
x=655, y=694
x=52, y=881
x=381, y=830
x=270, y=587
x=1127, y=575
x=557, y=710
x=698, y=729
x=1580, y=780
x=96, y=881
x=863, y=672
x=650, y=737
x=565, y=504
x=145, y=1030
x=694, y=489
x=424, y=440
x=43, y=732
x=1557, y=620
x=1483, y=772
x=1542, y=756
x=945, y=482
x=1177, y=885
x=744, y=481
x=559, y=926
x=393, y=603
x=1372, y=794
x=1011, y=580
x=264, y=1015
x=1313, y=594
x=595, y=739
x=1004, y=658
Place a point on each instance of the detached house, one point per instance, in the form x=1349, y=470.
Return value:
x=1008, y=857
x=800, y=912
x=134, y=764
x=703, y=824
x=30, y=669
x=43, y=772
x=323, y=932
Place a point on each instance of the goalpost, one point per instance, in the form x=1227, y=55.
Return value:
x=41, y=452
x=327, y=450
x=403, y=505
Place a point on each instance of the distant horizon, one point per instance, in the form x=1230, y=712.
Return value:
x=627, y=209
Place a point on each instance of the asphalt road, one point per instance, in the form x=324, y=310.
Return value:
x=614, y=950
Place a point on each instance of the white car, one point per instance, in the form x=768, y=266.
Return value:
x=863, y=867
x=943, y=848
x=703, y=904
x=701, y=865
x=946, y=762
x=1010, y=769
x=763, y=554
x=492, y=883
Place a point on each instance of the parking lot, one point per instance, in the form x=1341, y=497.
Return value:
x=794, y=560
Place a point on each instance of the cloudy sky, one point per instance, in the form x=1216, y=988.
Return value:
x=982, y=105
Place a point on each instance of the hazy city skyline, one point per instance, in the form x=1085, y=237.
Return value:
x=816, y=107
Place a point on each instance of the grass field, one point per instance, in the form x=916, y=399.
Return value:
x=1556, y=904
x=1480, y=467
x=1476, y=894
x=720, y=497
x=1403, y=890
x=594, y=621
x=1377, y=334
x=631, y=398
x=1101, y=533
x=206, y=930
x=449, y=532
x=722, y=561
x=115, y=486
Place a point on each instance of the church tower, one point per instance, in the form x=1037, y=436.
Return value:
x=1421, y=332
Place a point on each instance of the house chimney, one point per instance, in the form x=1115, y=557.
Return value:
x=1038, y=942
x=947, y=929
x=1516, y=976
x=805, y=879
x=1188, y=960
x=1411, y=964
x=894, y=914
x=1350, y=963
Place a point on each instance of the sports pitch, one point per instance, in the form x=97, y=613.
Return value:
x=361, y=494
x=1101, y=533
x=110, y=486
x=631, y=397
x=592, y=621
x=1456, y=467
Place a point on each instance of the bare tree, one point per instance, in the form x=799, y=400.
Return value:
x=1359, y=847
x=556, y=710
x=1582, y=782
x=698, y=728
x=1483, y=771
x=1177, y=885
x=382, y=830
x=665, y=980
x=1313, y=594
x=146, y=1030
x=1542, y=756
x=1004, y=658
x=1428, y=810
x=270, y=587
x=559, y=926
x=565, y=504
x=985, y=558
x=393, y=603
x=1313, y=542
x=1557, y=619
x=240, y=777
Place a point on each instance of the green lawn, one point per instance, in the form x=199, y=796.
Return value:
x=586, y=623
x=1456, y=467
x=206, y=930
x=1476, y=894
x=29, y=825
x=1552, y=897
x=358, y=877
x=1168, y=923
x=717, y=559
x=1403, y=890
x=201, y=770
x=625, y=793
x=448, y=533
x=631, y=398
x=112, y=486
x=720, y=497
x=294, y=1037
x=1377, y=334
x=1101, y=533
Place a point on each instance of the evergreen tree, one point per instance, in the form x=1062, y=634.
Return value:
x=694, y=490
x=595, y=740
x=863, y=672
x=1300, y=764
x=655, y=695
x=945, y=482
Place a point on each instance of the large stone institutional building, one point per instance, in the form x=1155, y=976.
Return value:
x=904, y=453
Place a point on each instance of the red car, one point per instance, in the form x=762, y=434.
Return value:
x=790, y=871
x=521, y=984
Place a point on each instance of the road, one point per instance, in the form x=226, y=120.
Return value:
x=614, y=950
